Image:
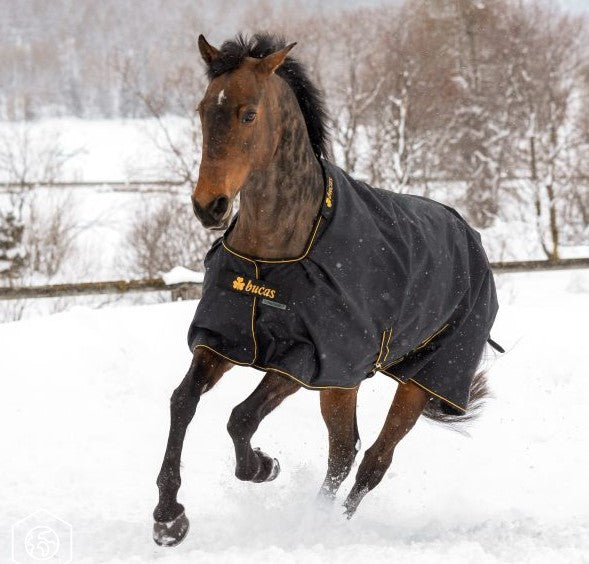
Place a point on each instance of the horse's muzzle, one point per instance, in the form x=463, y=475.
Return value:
x=216, y=214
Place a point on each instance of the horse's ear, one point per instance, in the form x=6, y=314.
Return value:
x=208, y=52
x=270, y=63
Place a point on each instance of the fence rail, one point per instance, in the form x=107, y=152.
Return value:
x=193, y=290
x=183, y=290
x=115, y=184
x=531, y=265
x=135, y=185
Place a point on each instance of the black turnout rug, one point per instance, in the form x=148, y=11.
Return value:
x=388, y=283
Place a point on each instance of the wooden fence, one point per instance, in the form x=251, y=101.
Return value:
x=156, y=185
x=193, y=290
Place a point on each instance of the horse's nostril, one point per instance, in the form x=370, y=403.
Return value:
x=218, y=207
x=212, y=214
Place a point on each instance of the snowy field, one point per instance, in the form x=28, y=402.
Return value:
x=99, y=151
x=84, y=417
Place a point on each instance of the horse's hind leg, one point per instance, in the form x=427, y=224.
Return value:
x=171, y=525
x=338, y=408
x=408, y=404
x=254, y=465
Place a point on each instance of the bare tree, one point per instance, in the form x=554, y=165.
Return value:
x=182, y=88
x=172, y=105
x=547, y=79
x=166, y=235
x=45, y=232
x=51, y=234
x=410, y=119
x=352, y=88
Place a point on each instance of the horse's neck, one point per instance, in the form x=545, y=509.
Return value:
x=278, y=205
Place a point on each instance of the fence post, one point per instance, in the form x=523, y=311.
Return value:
x=186, y=292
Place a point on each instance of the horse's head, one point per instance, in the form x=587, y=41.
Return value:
x=240, y=125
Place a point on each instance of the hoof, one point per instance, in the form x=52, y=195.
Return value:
x=349, y=512
x=325, y=496
x=269, y=468
x=171, y=533
x=275, y=470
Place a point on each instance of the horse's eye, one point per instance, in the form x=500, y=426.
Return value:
x=248, y=117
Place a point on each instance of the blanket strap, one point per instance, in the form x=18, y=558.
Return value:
x=495, y=345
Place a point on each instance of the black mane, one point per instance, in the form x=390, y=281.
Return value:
x=310, y=98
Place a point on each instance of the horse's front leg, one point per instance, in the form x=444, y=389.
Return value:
x=338, y=408
x=171, y=525
x=253, y=464
x=408, y=404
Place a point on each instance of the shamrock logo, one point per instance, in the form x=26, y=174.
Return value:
x=238, y=283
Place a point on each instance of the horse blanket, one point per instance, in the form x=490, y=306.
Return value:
x=389, y=283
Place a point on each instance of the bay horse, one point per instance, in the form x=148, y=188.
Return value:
x=319, y=280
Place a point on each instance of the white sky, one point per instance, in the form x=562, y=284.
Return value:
x=575, y=5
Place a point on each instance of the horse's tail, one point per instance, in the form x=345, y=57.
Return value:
x=438, y=411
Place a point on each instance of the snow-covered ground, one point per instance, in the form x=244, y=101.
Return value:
x=95, y=150
x=98, y=151
x=84, y=418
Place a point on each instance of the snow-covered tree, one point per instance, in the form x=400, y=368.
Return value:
x=547, y=79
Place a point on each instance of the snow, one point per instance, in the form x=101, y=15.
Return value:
x=84, y=413
x=101, y=150
x=104, y=218
x=179, y=275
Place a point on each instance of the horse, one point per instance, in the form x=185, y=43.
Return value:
x=319, y=280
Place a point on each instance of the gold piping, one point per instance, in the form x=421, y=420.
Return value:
x=426, y=389
x=383, y=344
x=377, y=365
x=394, y=362
x=459, y=407
x=301, y=382
x=203, y=346
x=420, y=346
x=254, y=318
x=387, y=345
x=311, y=387
x=253, y=310
x=270, y=368
x=394, y=377
x=430, y=338
x=279, y=261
